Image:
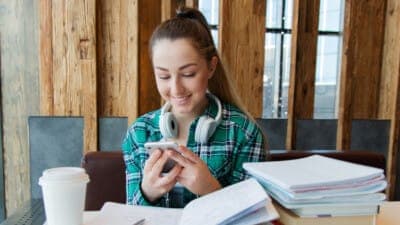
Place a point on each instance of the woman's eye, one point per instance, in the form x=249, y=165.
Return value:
x=189, y=74
x=163, y=77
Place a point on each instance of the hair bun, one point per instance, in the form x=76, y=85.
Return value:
x=186, y=13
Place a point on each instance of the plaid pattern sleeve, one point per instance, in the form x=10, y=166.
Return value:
x=244, y=143
x=134, y=157
x=250, y=149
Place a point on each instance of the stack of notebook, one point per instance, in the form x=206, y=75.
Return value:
x=318, y=186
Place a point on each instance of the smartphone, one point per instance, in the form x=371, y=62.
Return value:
x=163, y=145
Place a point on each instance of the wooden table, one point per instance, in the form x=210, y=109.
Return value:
x=389, y=214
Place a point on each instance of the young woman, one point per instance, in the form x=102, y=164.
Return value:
x=202, y=114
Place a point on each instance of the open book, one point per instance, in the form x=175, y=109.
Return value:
x=244, y=203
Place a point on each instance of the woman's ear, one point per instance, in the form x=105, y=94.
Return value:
x=212, y=66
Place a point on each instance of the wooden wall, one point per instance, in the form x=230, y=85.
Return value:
x=19, y=28
x=94, y=62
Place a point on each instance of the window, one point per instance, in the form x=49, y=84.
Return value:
x=277, y=54
x=210, y=9
x=277, y=58
x=331, y=16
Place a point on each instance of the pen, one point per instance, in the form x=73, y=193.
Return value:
x=139, y=222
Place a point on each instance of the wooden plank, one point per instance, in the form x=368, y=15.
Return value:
x=46, y=58
x=20, y=93
x=390, y=60
x=302, y=65
x=111, y=30
x=361, y=65
x=132, y=64
x=74, y=64
x=192, y=3
x=344, y=119
x=87, y=65
x=149, y=18
x=89, y=106
x=394, y=142
x=117, y=49
x=390, y=89
x=60, y=46
x=169, y=7
x=242, y=33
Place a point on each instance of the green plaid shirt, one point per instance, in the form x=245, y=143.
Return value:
x=236, y=140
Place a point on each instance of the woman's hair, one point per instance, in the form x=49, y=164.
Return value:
x=192, y=25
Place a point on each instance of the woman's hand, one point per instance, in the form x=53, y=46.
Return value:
x=195, y=175
x=154, y=185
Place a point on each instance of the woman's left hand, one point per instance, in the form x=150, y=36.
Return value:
x=195, y=175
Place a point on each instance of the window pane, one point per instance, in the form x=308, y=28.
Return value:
x=285, y=74
x=276, y=75
x=271, y=75
x=274, y=13
x=288, y=14
x=214, y=34
x=210, y=9
x=327, y=72
x=331, y=15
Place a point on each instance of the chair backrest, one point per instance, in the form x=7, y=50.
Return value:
x=316, y=134
x=53, y=142
x=275, y=130
x=371, y=135
x=106, y=172
x=112, y=130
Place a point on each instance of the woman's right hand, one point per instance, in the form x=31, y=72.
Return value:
x=154, y=185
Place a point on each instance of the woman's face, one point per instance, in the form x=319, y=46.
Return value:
x=181, y=75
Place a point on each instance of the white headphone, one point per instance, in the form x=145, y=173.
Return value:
x=204, y=129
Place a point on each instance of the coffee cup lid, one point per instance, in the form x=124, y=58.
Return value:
x=64, y=174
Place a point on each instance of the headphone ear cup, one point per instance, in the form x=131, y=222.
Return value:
x=168, y=125
x=205, y=127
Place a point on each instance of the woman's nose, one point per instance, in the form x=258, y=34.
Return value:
x=177, y=86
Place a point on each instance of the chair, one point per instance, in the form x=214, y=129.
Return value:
x=316, y=134
x=107, y=171
x=371, y=135
x=275, y=130
x=112, y=130
x=53, y=142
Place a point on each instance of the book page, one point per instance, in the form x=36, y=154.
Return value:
x=267, y=213
x=121, y=214
x=225, y=205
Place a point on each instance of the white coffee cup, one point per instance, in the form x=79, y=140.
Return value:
x=64, y=191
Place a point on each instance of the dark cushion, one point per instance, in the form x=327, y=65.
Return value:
x=107, y=171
